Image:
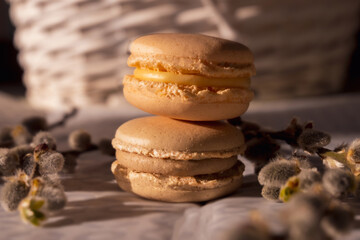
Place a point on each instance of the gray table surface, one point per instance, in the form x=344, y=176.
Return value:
x=98, y=209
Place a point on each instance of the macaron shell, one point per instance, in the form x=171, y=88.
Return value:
x=166, y=135
x=178, y=109
x=191, y=53
x=192, y=46
x=175, y=189
x=186, y=103
x=142, y=163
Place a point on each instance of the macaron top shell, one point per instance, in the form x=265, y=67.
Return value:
x=192, y=54
x=169, y=138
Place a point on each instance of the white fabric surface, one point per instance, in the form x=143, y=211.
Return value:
x=98, y=209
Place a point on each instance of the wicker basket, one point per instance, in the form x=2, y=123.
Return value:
x=74, y=51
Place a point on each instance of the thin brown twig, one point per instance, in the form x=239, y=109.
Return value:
x=64, y=119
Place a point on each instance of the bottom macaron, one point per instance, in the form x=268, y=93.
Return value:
x=197, y=188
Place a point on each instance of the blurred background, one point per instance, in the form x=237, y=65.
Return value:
x=65, y=53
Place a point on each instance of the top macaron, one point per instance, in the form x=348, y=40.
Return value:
x=189, y=76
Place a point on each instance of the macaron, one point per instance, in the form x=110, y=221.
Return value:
x=189, y=76
x=178, y=161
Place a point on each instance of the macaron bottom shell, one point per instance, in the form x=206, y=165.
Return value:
x=142, y=163
x=179, y=189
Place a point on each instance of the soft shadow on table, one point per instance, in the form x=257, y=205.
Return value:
x=249, y=188
x=91, y=178
x=117, y=206
x=88, y=185
x=103, y=208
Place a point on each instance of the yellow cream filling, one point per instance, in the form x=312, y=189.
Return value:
x=188, y=79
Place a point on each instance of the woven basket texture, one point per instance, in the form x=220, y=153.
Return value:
x=74, y=51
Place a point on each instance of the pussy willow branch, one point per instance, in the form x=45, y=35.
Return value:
x=64, y=119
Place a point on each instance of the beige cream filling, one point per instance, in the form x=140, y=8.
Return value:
x=190, y=93
x=190, y=79
x=181, y=155
x=191, y=66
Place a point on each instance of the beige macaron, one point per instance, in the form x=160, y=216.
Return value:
x=178, y=161
x=189, y=76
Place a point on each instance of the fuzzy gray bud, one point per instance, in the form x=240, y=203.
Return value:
x=308, y=177
x=304, y=213
x=20, y=135
x=311, y=139
x=44, y=137
x=21, y=150
x=53, y=179
x=353, y=154
x=8, y=162
x=338, y=220
x=50, y=162
x=338, y=182
x=276, y=173
x=12, y=193
x=29, y=165
x=80, y=140
x=270, y=193
x=54, y=195
x=303, y=161
x=261, y=150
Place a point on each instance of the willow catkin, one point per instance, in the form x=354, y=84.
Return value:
x=270, y=193
x=12, y=193
x=276, y=173
x=311, y=139
x=80, y=140
x=338, y=182
x=44, y=137
x=54, y=196
x=308, y=177
x=305, y=211
x=20, y=135
x=338, y=220
x=353, y=154
x=50, y=162
x=8, y=162
x=29, y=165
x=21, y=150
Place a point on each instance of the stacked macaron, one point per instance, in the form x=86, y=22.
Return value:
x=185, y=154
